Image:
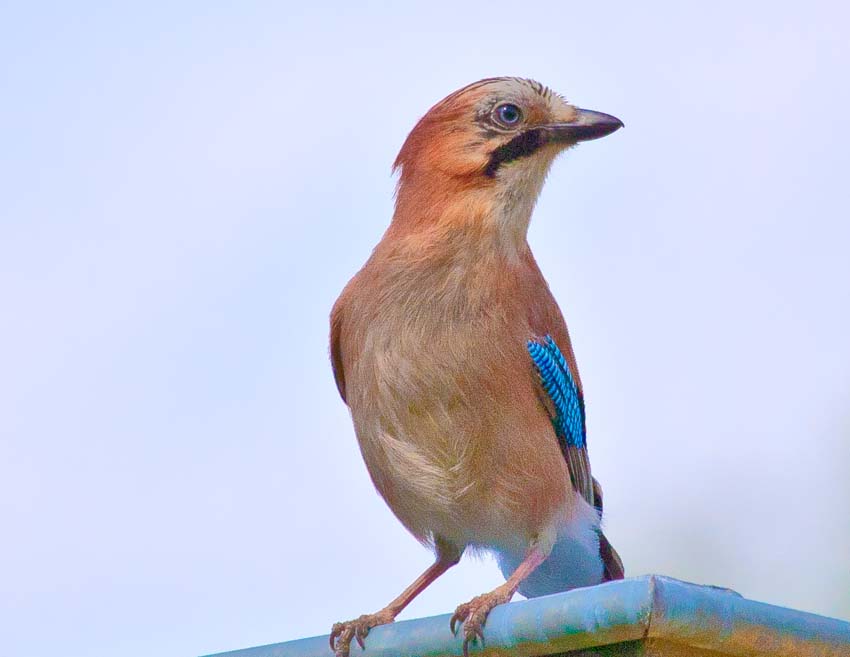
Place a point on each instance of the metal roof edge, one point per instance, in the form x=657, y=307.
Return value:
x=649, y=607
x=722, y=620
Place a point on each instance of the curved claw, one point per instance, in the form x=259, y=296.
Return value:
x=473, y=615
x=336, y=630
x=357, y=629
x=460, y=616
x=340, y=638
x=360, y=636
x=474, y=636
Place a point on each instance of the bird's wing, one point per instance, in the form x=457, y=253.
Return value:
x=565, y=405
x=336, y=349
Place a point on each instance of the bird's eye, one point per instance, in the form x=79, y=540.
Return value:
x=507, y=115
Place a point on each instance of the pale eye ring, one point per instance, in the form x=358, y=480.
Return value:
x=507, y=115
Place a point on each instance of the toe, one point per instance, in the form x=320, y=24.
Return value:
x=343, y=645
x=340, y=639
x=453, y=623
x=336, y=630
x=473, y=615
x=460, y=615
x=472, y=633
x=360, y=632
x=343, y=633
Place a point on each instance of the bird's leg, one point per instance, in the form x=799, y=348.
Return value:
x=343, y=633
x=473, y=614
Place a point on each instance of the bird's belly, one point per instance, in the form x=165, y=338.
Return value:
x=457, y=454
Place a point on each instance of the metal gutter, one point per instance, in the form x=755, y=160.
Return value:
x=651, y=615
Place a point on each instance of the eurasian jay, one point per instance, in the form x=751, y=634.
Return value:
x=455, y=360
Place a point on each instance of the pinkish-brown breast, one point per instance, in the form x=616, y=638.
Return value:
x=429, y=348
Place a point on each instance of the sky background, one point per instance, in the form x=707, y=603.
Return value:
x=186, y=189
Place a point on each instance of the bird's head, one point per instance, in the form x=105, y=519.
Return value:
x=482, y=153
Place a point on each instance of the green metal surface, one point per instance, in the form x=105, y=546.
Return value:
x=649, y=615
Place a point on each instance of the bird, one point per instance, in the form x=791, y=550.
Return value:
x=456, y=364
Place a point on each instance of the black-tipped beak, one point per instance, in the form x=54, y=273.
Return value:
x=589, y=125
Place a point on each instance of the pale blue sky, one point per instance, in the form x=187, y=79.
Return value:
x=185, y=190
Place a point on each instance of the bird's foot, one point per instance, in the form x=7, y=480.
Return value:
x=357, y=629
x=473, y=615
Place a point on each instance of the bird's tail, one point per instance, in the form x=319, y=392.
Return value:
x=612, y=565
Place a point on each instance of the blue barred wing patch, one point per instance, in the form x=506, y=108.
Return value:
x=558, y=382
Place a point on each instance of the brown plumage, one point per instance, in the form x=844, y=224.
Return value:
x=429, y=350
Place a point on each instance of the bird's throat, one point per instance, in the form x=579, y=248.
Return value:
x=518, y=186
x=433, y=208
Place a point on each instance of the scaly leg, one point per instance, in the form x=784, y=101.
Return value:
x=343, y=633
x=473, y=614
